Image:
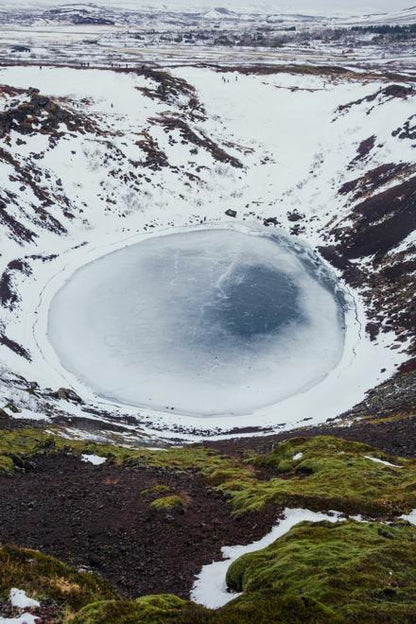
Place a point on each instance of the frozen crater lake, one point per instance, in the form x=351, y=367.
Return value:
x=204, y=322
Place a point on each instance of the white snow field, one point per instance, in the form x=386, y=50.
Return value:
x=295, y=151
x=205, y=322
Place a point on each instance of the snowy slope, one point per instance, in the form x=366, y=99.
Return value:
x=100, y=159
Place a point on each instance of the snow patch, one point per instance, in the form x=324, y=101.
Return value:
x=382, y=461
x=19, y=599
x=95, y=460
x=210, y=589
x=411, y=517
x=25, y=618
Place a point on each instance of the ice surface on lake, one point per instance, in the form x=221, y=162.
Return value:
x=205, y=322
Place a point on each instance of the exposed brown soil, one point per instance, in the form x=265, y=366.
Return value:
x=389, y=217
x=168, y=88
x=15, y=228
x=97, y=517
x=408, y=130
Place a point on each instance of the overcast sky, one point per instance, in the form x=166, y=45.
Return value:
x=322, y=6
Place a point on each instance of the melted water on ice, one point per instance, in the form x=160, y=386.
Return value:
x=206, y=322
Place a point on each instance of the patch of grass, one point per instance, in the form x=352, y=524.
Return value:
x=364, y=572
x=168, y=503
x=6, y=465
x=375, y=420
x=47, y=578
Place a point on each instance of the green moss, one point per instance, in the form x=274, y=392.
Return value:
x=18, y=446
x=156, y=489
x=109, y=612
x=330, y=474
x=168, y=503
x=6, y=465
x=182, y=459
x=166, y=609
x=228, y=476
x=268, y=608
x=364, y=572
x=320, y=573
x=157, y=609
x=47, y=578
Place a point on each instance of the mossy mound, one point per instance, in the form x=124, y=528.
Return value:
x=364, y=572
x=324, y=473
x=168, y=503
x=19, y=445
x=48, y=579
x=155, y=490
x=166, y=609
x=268, y=608
x=157, y=609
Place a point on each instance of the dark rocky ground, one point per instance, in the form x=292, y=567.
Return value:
x=99, y=517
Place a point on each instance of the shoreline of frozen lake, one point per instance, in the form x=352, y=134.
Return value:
x=358, y=369
x=209, y=322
